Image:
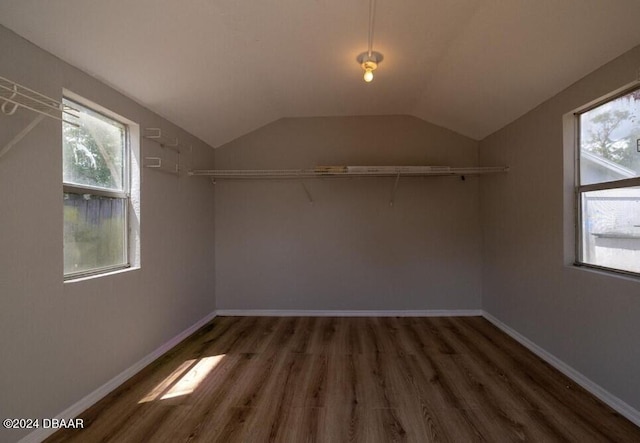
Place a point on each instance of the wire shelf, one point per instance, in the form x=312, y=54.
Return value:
x=14, y=96
x=347, y=171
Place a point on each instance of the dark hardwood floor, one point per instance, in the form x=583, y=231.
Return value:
x=303, y=379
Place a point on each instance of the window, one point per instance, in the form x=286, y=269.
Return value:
x=96, y=192
x=608, y=188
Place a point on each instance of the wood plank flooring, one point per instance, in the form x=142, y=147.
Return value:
x=304, y=379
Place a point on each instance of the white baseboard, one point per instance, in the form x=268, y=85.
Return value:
x=605, y=396
x=339, y=313
x=76, y=409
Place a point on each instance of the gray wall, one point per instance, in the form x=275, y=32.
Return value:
x=274, y=250
x=587, y=319
x=60, y=341
x=349, y=250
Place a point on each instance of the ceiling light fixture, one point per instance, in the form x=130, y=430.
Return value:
x=369, y=60
x=369, y=63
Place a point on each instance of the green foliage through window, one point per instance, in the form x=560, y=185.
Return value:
x=93, y=152
x=95, y=198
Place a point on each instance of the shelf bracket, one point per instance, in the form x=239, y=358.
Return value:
x=307, y=192
x=21, y=134
x=393, y=191
x=156, y=163
x=13, y=110
x=156, y=135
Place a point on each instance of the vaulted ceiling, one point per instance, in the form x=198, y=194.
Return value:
x=221, y=68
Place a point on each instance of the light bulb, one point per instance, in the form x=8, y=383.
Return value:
x=369, y=63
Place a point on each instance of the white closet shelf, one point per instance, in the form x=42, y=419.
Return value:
x=14, y=96
x=347, y=171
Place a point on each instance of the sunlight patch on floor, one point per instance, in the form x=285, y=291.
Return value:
x=184, y=380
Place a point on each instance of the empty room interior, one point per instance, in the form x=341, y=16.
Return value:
x=321, y=220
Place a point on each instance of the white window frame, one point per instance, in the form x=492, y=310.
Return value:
x=130, y=193
x=580, y=189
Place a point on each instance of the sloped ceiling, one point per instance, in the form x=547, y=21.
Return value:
x=221, y=68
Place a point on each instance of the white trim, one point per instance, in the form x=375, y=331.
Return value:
x=339, y=313
x=624, y=409
x=76, y=409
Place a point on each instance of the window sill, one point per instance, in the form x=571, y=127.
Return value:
x=629, y=276
x=82, y=278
